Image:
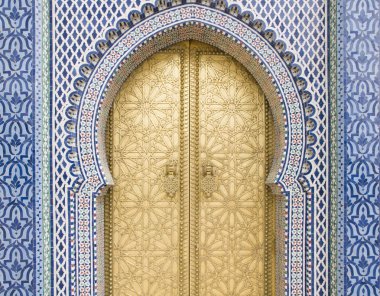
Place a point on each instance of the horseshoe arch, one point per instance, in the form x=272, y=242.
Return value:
x=239, y=35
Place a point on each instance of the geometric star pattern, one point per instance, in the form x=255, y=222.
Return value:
x=144, y=124
x=232, y=139
x=147, y=227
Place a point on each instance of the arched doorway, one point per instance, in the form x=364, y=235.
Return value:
x=190, y=143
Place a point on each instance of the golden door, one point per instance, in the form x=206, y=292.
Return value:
x=189, y=147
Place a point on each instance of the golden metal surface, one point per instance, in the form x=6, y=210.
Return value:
x=148, y=226
x=193, y=115
x=230, y=224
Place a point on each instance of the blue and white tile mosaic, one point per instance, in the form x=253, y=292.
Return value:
x=359, y=148
x=17, y=143
x=76, y=26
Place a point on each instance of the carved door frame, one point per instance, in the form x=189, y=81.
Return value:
x=115, y=57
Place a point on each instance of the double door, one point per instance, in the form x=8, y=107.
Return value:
x=189, y=149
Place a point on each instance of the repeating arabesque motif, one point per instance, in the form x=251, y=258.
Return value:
x=16, y=71
x=362, y=150
x=17, y=240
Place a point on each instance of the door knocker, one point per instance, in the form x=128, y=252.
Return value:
x=208, y=183
x=171, y=182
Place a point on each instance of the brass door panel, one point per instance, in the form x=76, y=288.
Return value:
x=147, y=227
x=189, y=147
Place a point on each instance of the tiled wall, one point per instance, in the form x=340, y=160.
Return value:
x=76, y=24
x=359, y=148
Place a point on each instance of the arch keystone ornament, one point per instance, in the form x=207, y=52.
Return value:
x=106, y=68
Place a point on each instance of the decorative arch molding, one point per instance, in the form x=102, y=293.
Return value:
x=143, y=34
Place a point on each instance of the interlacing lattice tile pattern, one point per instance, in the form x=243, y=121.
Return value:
x=80, y=23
